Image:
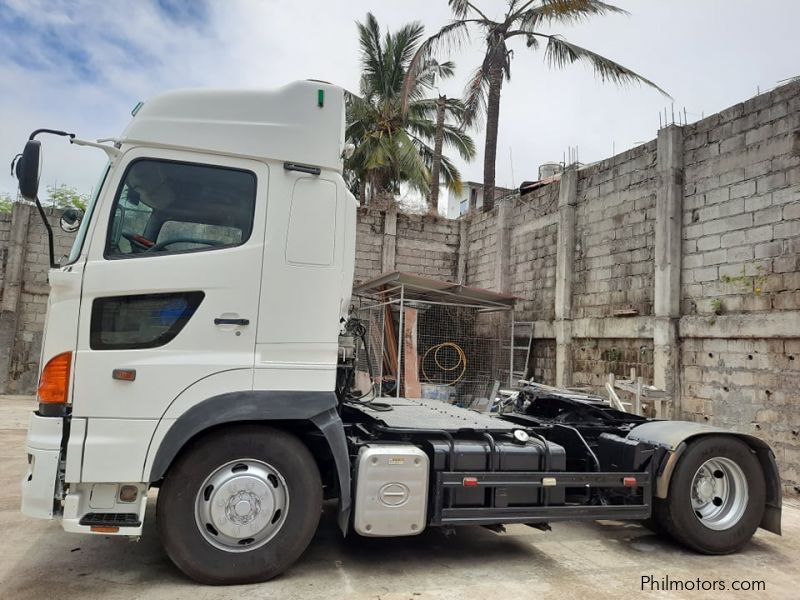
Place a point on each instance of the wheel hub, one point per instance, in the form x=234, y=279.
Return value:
x=704, y=489
x=719, y=493
x=241, y=505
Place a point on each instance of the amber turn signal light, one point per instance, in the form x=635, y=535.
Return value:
x=54, y=381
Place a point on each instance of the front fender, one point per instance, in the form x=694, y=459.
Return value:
x=318, y=408
x=675, y=436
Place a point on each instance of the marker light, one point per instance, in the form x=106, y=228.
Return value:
x=104, y=529
x=124, y=374
x=629, y=481
x=54, y=381
x=469, y=482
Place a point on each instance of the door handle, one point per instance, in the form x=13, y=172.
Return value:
x=242, y=322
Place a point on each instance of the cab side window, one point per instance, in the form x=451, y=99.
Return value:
x=166, y=207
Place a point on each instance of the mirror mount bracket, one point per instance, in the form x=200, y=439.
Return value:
x=53, y=263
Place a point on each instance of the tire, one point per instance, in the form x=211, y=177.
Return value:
x=716, y=496
x=240, y=505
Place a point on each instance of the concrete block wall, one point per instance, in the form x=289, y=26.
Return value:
x=33, y=299
x=421, y=244
x=615, y=235
x=543, y=361
x=594, y=358
x=533, y=234
x=369, y=244
x=741, y=211
x=741, y=272
x=747, y=385
x=24, y=292
x=481, y=236
x=5, y=232
x=427, y=246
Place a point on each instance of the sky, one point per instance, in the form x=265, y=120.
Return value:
x=82, y=65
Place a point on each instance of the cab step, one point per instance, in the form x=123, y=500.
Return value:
x=110, y=520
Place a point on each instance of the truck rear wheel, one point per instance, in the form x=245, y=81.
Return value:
x=240, y=505
x=716, y=496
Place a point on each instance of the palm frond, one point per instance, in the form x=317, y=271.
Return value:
x=425, y=109
x=456, y=137
x=448, y=172
x=403, y=45
x=410, y=164
x=449, y=37
x=560, y=53
x=369, y=37
x=564, y=11
x=461, y=9
x=476, y=94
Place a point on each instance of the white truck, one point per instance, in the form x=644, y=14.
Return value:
x=198, y=341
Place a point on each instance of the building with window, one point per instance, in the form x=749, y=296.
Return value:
x=471, y=198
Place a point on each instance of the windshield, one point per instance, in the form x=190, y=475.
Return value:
x=77, y=245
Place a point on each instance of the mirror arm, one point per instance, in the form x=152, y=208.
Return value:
x=110, y=151
x=53, y=131
x=53, y=264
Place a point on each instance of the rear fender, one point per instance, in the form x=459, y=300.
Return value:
x=675, y=437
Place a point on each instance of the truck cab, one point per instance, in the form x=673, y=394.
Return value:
x=199, y=341
x=219, y=215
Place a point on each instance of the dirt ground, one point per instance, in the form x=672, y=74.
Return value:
x=605, y=559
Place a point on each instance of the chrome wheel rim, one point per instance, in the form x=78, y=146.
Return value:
x=241, y=505
x=719, y=493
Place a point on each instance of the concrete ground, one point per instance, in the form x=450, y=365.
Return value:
x=593, y=560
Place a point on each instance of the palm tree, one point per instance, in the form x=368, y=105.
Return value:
x=523, y=19
x=438, y=142
x=393, y=146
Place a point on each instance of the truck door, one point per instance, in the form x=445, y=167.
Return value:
x=170, y=292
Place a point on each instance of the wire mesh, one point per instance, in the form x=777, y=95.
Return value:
x=457, y=354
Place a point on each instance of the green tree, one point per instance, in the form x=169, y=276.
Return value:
x=527, y=20
x=64, y=196
x=6, y=202
x=393, y=143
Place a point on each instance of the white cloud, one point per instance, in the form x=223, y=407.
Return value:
x=82, y=65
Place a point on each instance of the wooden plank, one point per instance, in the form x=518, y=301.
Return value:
x=389, y=342
x=411, y=385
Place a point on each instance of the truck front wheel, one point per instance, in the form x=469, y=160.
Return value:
x=240, y=505
x=716, y=496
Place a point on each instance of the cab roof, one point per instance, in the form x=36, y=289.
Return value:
x=302, y=122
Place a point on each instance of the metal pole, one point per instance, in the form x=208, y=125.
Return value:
x=382, y=346
x=400, y=341
x=511, y=360
x=639, y=396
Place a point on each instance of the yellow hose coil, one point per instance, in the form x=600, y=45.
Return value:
x=462, y=361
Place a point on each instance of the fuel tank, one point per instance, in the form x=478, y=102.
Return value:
x=472, y=455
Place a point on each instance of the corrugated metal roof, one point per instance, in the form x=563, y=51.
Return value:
x=418, y=287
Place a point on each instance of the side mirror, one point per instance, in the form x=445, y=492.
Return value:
x=70, y=220
x=28, y=170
